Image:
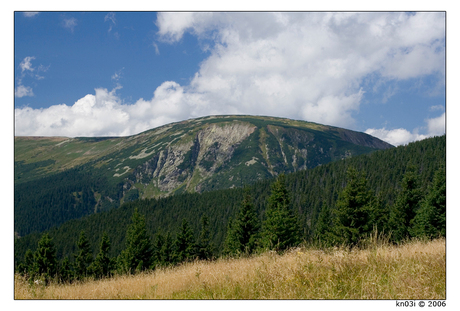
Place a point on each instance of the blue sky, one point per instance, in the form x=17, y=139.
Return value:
x=121, y=73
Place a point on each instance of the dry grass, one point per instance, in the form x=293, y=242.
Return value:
x=412, y=271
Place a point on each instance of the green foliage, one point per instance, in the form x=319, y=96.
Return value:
x=84, y=257
x=131, y=195
x=26, y=268
x=243, y=232
x=353, y=212
x=406, y=205
x=66, y=273
x=281, y=228
x=311, y=190
x=103, y=264
x=205, y=248
x=430, y=218
x=45, y=263
x=380, y=212
x=137, y=255
x=324, y=228
x=184, y=246
x=162, y=251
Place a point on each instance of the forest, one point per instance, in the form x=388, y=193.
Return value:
x=398, y=192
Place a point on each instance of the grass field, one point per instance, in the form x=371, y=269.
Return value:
x=416, y=270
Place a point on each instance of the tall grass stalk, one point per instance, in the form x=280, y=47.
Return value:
x=414, y=270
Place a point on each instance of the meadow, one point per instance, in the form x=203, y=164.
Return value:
x=413, y=270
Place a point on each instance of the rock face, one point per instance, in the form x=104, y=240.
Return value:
x=212, y=146
x=196, y=155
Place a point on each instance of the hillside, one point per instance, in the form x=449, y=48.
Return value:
x=58, y=179
x=310, y=190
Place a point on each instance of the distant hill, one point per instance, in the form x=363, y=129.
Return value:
x=59, y=178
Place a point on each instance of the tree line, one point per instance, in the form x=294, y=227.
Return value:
x=357, y=214
x=310, y=192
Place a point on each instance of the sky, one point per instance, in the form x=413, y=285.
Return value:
x=120, y=73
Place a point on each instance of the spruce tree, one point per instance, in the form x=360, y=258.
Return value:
x=230, y=243
x=281, y=228
x=430, y=219
x=324, y=234
x=26, y=268
x=137, y=256
x=185, y=248
x=353, y=212
x=406, y=205
x=45, y=263
x=204, y=245
x=242, y=233
x=380, y=215
x=84, y=257
x=103, y=264
x=66, y=273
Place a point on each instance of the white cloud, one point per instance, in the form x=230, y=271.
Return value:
x=304, y=65
x=22, y=91
x=28, y=70
x=396, y=137
x=26, y=64
x=307, y=66
x=437, y=126
x=104, y=114
x=30, y=14
x=110, y=17
x=155, y=46
x=70, y=23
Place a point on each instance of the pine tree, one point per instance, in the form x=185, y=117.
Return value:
x=406, y=205
x=430, y=219
x=45, y=263
x=103, y=264
x=231, y=243
x=137, y=255
x=324, y=227
x=204, y=245
x=26, y=268
x=66, y=273
x=185, y=248
x=353, y=212
x=242, y=233
x=281, y=227
x=84, y=257
x=380, y=215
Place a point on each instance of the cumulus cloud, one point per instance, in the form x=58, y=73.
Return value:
x=104, y=114
x=396, y=137
x=308, y=66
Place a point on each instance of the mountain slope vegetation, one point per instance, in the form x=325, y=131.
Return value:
x=309, y=190
x=58, y=179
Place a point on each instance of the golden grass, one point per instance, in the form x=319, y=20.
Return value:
x=415, y=270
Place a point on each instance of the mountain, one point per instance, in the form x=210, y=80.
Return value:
x=67, y=178
x=310, y=191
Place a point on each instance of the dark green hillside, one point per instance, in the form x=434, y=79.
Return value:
x=58, y=179
x=309, y=189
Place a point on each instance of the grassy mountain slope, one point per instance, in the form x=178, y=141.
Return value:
x=58, y=179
